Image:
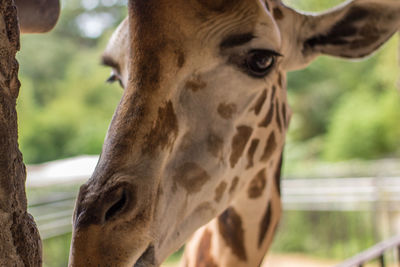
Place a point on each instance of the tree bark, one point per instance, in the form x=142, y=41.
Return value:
x=20, y=243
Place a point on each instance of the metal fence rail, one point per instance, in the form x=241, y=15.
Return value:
x=341, y=194
x=375, y=252
x=53, y=212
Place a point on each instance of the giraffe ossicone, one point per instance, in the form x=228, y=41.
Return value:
x=195, y=146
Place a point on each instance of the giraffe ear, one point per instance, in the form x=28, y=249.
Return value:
x=353, y=30
x=37, y=16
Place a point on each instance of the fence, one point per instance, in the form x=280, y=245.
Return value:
x=343, y=194
x=53, y=211
x=376, y=252
x=53, y=214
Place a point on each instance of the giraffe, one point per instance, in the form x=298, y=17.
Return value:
x=194, y=149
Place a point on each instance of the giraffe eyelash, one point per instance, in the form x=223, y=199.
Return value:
x=115, y=78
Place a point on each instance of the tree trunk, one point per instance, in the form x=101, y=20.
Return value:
x=20, y=243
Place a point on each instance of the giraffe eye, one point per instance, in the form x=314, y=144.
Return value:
x=260, y=62
x=112, y=78
x=115, y=78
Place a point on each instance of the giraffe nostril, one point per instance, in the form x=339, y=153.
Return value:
x=117, y=206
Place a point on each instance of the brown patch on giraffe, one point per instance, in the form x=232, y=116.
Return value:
x=218, y=5
x=257, y=185
x=239, y=142
x=180, y=58
x=226, y=111
x=204, y=257
x=251, y=152
x=277, y=175
x=231, y=230
x=191, y=177
x=278, y=14
x=204, y=207
x=273, y=93
x=268, y=118
x=284, y=115
x=260, y=102
x=234, y=184
x=270, y=147
x=215, y=145
x=267, y=6
x=277, y=116
x=280, y=80
x=264, y=225
x=186, y=141
x=219, y=191
x=164, y=132
x=195, y=84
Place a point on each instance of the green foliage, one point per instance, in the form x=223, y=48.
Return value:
x=312, y=5
x=42, y=68
x=345, y=109
x=306, y=232
x=74, y=117
x=56, y=251
x=353, y=107
x=64, y=105
x=364, y=126
x=365, y=121
x=342, y=110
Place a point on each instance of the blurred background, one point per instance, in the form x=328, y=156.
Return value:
x=341, y=186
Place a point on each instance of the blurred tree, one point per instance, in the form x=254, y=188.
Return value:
x=365, y=121
x=312, y=5
x=65, y=105
x=345, y=110
x=20, y=243
x=75, y=122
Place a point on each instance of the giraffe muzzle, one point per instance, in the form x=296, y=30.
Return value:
x=103, y=208
x=147, y=259
x=102, y=221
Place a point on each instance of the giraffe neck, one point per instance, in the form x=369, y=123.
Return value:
x=242, y=234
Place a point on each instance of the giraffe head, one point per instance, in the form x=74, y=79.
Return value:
x=204, y=108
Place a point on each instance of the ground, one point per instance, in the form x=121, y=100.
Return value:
x=287, y=260
x=296, y=260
